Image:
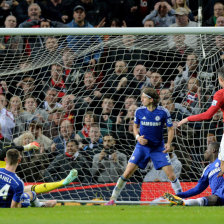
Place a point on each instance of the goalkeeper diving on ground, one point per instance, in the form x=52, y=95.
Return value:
x=209, y=178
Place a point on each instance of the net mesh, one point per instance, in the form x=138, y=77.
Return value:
x=61, y=88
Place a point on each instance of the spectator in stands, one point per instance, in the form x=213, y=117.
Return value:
x=159, y=175
x=10, y=46
x=54, y=10
x=162, y=15
x=210, y=138
x=177, y=111
x=57, y=80
x=76, y=43
x=89, y=92
x=149, y=23
x=34, y=13
x=31, y=111
x=52, y=129
x=107, y=116
x=32, y=163
x=183, y=4
x=51, y=100
x=165, y=94
x=21, y=11
x=116, y=84
x=66, y=134
x=7, y=121
x=183, y=21
x=139, y=81
x=109, y=164
x=156, y=80
x=16, y=108
x=192, y=100
x=72, y=158
x=74, y=109
x=89, y=119
x=93, y=144
x=29, y=86
x=220, y=21
x=95, y=10
x=129, y=101
x=6, y=8
x=37, y=131
x=32, y=43
x=218, y=11
x=189, y=70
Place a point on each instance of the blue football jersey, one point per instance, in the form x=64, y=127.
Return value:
x=11, y=188
x=209, y=177
x=152, y=123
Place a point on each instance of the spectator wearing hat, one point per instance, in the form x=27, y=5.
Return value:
x=162, y=15
x=182, y=20
x=80, y=43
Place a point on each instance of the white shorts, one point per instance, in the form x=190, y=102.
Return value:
x=221, y=149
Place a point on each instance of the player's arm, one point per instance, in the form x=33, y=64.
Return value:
x=216, y=104
x=139, y=138
x=4, y=149
x=15, y=204
x=169, y=139
x=200, y=187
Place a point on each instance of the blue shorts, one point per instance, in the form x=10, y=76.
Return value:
x=143, y=153
x=25, y=200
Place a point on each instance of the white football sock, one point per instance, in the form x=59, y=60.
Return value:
x=118, y=188
x=176, y=186
x=195, y=202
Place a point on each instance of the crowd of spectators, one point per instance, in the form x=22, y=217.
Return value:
x=78, y=101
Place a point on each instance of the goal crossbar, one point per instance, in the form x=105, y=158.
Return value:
x=112, y=31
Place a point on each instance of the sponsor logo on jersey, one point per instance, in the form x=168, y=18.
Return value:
x=216, y=170
x=157, y=118
x=144, y=118
x=217, y=164
x=214, y=102
x=147, y=123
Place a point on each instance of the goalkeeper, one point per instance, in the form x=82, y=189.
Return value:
x=209, y=177
x=39, y=188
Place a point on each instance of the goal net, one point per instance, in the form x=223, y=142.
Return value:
x=75, y=91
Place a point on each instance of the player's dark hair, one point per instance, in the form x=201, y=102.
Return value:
x=13, y=156
x=152, y=93
x=220, y=72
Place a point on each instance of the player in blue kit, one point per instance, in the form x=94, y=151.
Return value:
x=12, y=193
x=209, y=178
x=148, y=130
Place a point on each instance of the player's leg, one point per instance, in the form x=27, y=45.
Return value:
x=172, y=177
x=30, y=199
x=129, y=171
x=46, y=187
x=221, y=155
x=211, y=200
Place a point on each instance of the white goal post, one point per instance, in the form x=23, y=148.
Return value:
x=93, y=77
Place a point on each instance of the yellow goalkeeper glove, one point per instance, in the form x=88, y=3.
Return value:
x=32, y=145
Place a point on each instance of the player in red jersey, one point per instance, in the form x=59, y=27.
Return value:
x=217, y=103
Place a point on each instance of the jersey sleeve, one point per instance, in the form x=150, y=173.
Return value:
x=137, y=120
x=168, y=119
x=18, y=191
x=216, y=105
x=200, y=187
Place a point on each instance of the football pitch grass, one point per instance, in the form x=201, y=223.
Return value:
x=113, y=214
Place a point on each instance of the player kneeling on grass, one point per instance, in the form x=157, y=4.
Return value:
x=150, y=119
x=209, y=177
x=12, y=187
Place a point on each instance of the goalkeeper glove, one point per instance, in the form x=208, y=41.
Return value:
x=32, y=145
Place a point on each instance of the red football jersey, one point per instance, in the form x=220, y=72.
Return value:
x=217, y=103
